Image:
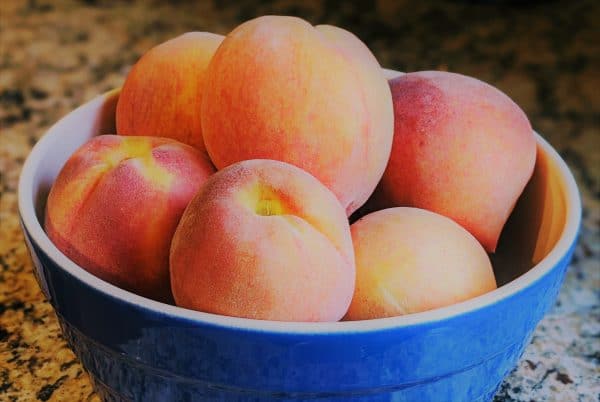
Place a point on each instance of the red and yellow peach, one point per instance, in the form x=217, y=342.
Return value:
x=115, y=205
x=163, y=91
x=410, y=260
x=279, y=88
x=461, y=148
x=264, y=239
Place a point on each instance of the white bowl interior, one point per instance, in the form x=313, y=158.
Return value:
x=542, y=227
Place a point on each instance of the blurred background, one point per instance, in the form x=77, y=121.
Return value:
x=55, y=55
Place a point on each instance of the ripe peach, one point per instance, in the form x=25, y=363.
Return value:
x=264, y=239
x=461, y=148
x=163, y=91
x=410, y=260
x=115, y=205
x=279, y=88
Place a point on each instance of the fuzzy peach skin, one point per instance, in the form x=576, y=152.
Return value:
x=163, y=91
x=115, y=205
x=410, y=260
x=461, y=148
x=315, y=97
x=265, y=240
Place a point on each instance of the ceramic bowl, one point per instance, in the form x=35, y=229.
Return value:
x=136, y=349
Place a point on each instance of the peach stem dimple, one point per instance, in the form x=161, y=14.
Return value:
x=269, y=207
x=263, y=200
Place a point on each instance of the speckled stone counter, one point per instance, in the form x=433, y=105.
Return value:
x=544, y=54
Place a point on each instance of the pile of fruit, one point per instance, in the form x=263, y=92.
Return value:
x=239, y=160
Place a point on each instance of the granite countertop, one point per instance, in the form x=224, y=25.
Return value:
x=55, y=55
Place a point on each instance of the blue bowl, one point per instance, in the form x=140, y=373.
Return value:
x=137, y=349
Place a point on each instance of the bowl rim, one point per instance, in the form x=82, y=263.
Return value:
x=33, y=227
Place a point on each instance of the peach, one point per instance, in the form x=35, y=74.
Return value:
x=115, y=205
x=461, y=148
x=163, y=91
x=410, y=260
x=264, y=239
x=316, y=97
